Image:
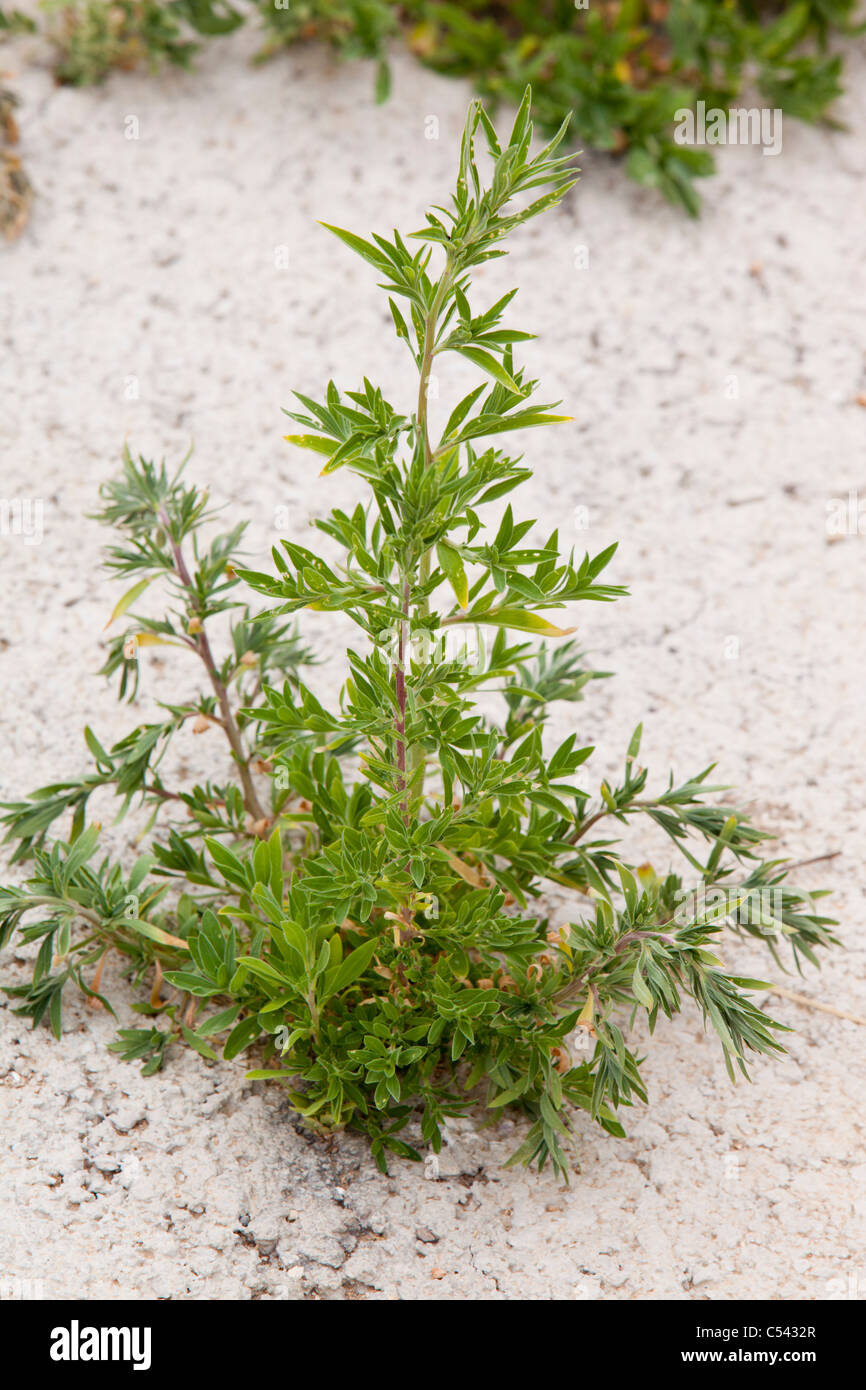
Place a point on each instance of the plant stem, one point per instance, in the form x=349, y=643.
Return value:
x=313, y=1007
x=606, y=811
x=400, y=689
x=96, y=982
x=201, y=645
x=161, y=793
x=416, y=755
x=816, y=859
x=816, y=1003
x=427, y=354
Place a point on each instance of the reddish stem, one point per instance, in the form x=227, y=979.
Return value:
x=400, y=691
x=199, y=641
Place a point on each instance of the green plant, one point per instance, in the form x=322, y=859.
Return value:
x=16, y=192
x=354, y=28
x=15, y=22
x=93, y=37
x=361, y=900
x=622, y=69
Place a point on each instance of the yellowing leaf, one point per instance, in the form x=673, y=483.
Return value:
x=520, y=620
x=129, y=599
x=152, y=639
x=465, y=871
x=312, y=441
x=164, y=938
x=422, y=40
x=452, y=566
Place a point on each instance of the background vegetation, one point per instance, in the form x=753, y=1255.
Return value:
x=620, y=68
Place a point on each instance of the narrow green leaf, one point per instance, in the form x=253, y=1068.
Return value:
x=363, y=248
x=491, y=365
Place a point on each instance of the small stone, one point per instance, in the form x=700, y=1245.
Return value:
x=454, y=1161
x=214, y=1104
x=424, y=1234
x=127, y=1117
x=107, y=1164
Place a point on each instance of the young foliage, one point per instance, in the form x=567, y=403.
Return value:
x=360, y=900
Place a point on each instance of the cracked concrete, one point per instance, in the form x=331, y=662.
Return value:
x=716, y=374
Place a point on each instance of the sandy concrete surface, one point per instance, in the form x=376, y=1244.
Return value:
x=713, y=370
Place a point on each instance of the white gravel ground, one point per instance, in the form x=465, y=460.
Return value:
x=713, y=370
